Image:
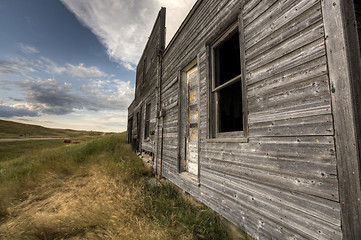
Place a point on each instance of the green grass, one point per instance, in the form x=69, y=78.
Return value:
x=98, y=189
x=172, y=211
x=9, y=129
x=10, y=150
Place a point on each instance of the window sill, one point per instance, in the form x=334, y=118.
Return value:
x=230, y=140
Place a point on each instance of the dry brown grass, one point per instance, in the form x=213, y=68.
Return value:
x=95, y=190
x=90, y=205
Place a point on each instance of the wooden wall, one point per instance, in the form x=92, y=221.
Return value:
x=147, y=81
x=345, y=78
x=283, y=182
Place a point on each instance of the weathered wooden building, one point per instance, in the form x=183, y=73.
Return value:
x=254, y=109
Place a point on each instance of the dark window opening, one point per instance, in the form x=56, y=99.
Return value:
x=230, y=105
x=130, y=130
x=147, y=120
x=227, y=56
x=358, y=19
x=139, y=125
x=227, y=88
x=144, y=70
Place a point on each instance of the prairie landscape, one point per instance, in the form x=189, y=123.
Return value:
x=98, y=189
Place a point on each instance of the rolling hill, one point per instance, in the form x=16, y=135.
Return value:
x=9, y=129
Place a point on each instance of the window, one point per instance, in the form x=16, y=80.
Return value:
x=139, y=127
x=130, y=130
x=228, y=106
x=357, y=6
x=147, y=120
x=144, y=70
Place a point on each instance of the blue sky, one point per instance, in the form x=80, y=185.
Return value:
x=71, y=63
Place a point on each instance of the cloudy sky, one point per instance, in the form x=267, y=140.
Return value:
x=71, y=63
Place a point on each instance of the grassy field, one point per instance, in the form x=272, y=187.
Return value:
x=95, y=190
x=10, y=150
x=9, y=129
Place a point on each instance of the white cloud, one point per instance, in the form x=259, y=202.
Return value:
x=18, y=65
x=51, y=97
x=27, y=49
x=16, y=111
x=128, y=66
x=114, y=95
x=79, y=70
x=45, y=64
x=84, y=72
x=123, y=26
x=51, y=67
x=107, y=120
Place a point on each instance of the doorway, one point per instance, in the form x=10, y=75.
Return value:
x=189, y=119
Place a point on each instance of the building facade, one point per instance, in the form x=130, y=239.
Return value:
x=254, y=109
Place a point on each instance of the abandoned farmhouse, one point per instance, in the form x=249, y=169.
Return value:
x=254, y=108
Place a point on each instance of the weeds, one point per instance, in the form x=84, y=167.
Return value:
x=11, y=150
x=172, y=211
x=97, y=190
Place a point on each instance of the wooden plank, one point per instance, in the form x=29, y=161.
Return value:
x=313, y=186
x=306, y=71
x=272, y=21
x=288, y=61
x=258, y=9
x=289, y=165
x=302, y=222
x=345, y=82
x=293, y=93
x=250, y=5
x=319, y=148
x=170, y=84
x=319, y=105
x=314, y=206
x=292, y=28
x=315, y=125
x=303, y=38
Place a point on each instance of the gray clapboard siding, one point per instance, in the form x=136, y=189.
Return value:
x=259, y=30
x=294, y=93
x=313, y=206
x=309, y=70
x=305, y=108
x=265, y=161
x=250, y=200
x=261, y=221
x=301, y=22
x=303, y=38
x=344, y=72
x=283, y=180
x=319, y=125
x=288, y=61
